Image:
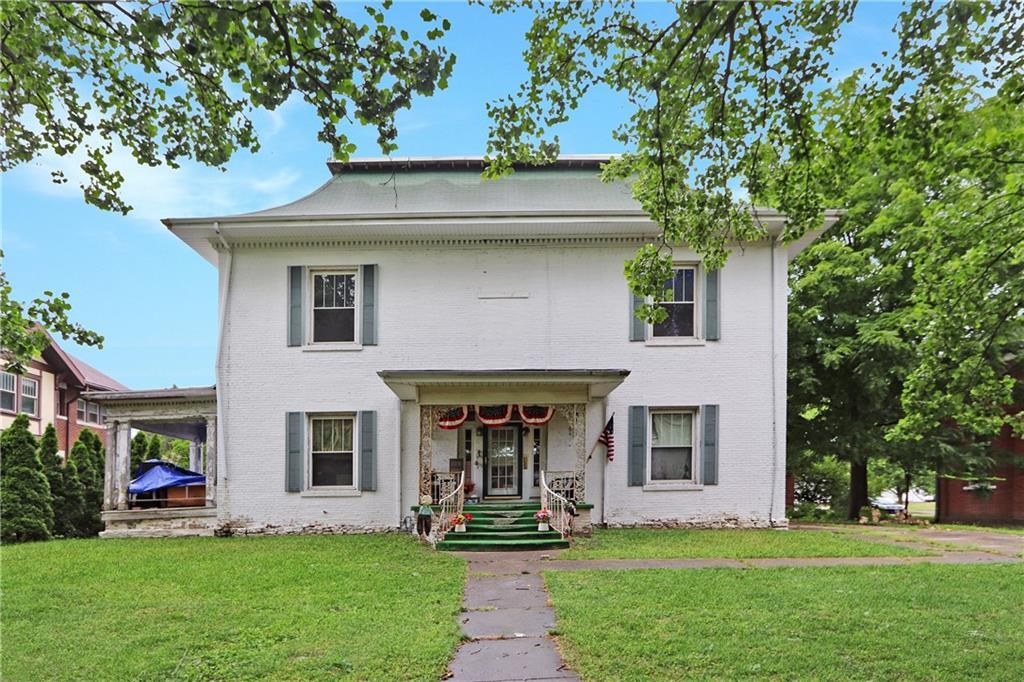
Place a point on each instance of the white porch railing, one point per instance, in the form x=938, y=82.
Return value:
x=558, y=505
x=451, y=505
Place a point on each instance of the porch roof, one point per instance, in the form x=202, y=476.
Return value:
x=461, y=386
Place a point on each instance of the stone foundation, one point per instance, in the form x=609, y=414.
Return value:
x=247, y=527
x=734, y=522
x=159, y=523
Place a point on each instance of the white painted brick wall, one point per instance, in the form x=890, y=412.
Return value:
x=575, y=315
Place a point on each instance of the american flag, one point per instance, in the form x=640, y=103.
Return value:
x=607, y=437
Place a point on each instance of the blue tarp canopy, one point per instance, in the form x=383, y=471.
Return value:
x=156, y=474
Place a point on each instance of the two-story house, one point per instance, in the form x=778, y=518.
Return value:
x=410, y=325
x=51, y=392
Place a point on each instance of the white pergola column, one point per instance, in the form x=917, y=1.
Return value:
x=193, y=456
x=109, y=467
x=211, y=461
x=123, y=462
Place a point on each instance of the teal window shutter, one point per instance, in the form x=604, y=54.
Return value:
x=709, y=449
x=369, y=302
x=637, y=327
x=712, y=305
x=295, y=278
x=636, y=462
x=368, y=450
x=295, y=451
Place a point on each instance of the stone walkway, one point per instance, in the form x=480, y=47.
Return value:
x=507, y=616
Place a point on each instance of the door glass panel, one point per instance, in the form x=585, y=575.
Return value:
x=501, y=462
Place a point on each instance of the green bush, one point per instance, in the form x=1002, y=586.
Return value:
x=24, y=491
x=140, y=444
x=66, y=489
x=83, y=458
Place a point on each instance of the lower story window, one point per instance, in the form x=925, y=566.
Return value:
x=672, y=445
x=332, y=452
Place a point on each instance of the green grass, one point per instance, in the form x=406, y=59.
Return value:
x=349, y=607
x=922, y=510
x=645, y=543
x=913, y=622
x=1011, y=530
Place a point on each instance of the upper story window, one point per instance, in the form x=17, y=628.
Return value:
x=7, y=391
x=680, y=304
x=90, y=412
x=334, y=307
x=332, y=453
x=62, y=402
x=29, y=396
x=671, y=455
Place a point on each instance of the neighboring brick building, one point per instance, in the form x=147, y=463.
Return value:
x=1005, y=504
x=49, y=393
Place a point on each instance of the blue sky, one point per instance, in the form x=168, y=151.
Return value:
x=155, y=300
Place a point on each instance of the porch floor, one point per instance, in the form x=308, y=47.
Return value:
x=502, y=526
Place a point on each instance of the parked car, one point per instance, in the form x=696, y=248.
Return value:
x=888, y=506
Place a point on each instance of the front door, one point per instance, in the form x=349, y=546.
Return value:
x=503, y=466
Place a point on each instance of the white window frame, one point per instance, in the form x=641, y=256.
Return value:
x=13, y=391
x=674, y=483
x=82, y=406
x=35, y=398
x=312, y=274
x=351, y=416
x=698, y=309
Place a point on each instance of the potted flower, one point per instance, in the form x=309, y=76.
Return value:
x=543, y=518
x=459, y=521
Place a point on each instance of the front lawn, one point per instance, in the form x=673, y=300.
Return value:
x=356, y=607
x=915, y=622
x=647, y=543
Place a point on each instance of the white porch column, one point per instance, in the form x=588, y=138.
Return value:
x=123, y=462
x=193, y=456
x=211, y=461
x=109, y=467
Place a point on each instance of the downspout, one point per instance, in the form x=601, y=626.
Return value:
x=222, y=469
x=775, y=428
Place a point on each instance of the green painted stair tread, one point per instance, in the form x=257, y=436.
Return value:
x=500, y=545
x=504, y=535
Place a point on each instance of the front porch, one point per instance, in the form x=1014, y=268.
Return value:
x=501, y=443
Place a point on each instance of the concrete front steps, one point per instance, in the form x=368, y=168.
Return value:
x=502, y=526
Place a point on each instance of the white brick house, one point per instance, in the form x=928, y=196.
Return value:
x=401, y=293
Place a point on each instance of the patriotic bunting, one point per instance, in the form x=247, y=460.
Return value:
x=494, y=415
x=454, y=418
x=536, y=415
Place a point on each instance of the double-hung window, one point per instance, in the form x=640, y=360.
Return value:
x=29, y=396
x=334, y=307
x=89, y=412
x=332, y=453
x=7, y=391
x=672, y=445
x=680, y=304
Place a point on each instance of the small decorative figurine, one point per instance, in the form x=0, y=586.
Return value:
x=424, y=516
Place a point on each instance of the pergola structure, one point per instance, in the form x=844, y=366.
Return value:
x=186, y=413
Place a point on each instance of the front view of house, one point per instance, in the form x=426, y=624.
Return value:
x=410, y=325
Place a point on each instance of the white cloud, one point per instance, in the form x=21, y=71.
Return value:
x=162, y=192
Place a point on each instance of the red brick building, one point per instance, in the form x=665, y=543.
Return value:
x=49, y=393
x=1005, y=504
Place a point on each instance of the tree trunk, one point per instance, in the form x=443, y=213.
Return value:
x=906, y=483
x=858, y=489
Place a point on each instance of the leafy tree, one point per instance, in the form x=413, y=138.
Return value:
x=155, y=448
x=65, y=487
x=24, y=490
x=178, y=80
x=84, y=459
x=733, y=101
x=139, y=447
x=23, y=335
x=168, y=81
